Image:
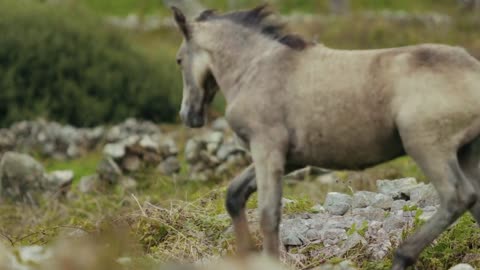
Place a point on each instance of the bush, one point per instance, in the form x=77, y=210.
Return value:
x=60, y=64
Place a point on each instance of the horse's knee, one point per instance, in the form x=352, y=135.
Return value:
x=237, y=196
x=270, y=219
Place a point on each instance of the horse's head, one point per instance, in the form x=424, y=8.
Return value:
x=199, y=85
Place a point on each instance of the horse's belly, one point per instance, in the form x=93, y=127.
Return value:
x=347, y=151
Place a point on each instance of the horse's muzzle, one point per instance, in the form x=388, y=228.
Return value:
x=193, y=120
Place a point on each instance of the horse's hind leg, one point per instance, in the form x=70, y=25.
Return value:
x=469, y=158
x=237, y=195
x=455, y=193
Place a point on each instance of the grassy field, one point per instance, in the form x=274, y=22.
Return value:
x=124, y=7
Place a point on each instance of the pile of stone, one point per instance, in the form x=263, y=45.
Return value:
x=138, y=152
x=371, y=220
x=133, y=152
x=214, y=154
x=49, y=139
x=24, y=179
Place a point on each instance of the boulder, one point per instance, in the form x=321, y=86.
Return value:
x=21, y=176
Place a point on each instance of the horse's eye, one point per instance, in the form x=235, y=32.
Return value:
x=179, y=61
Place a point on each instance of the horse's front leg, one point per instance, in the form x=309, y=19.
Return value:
x=268, y=152
x=237, y=195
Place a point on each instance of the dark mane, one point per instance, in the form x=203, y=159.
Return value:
x=256, y=19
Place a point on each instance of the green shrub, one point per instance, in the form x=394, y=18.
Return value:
x=64, y=65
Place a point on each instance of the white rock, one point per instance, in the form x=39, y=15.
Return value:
x=382, y=201
x=114, y=150
x=362, y=199
x=397, y=189
x=462, y=266
x=338, y=203
x=148, y=143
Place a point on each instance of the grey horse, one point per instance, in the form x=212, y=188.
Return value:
x=294, y=103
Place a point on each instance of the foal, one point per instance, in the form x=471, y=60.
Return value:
x=293, y=103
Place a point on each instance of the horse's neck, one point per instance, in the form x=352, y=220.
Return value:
x=232, y=63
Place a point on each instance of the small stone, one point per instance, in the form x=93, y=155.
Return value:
x=425, y=195
x=170, y=166
x=286, y=202
x=397, y=189
x=462, y=266
x=318, y=209
x=33, y=255
x=88, y=184
x=353, y=241
x=59, y=182
x=128, y=183
x=192, y=150
x=220, y=124
x=147, y=143
x=382, y=201
x=394, y=222
x=369, y=213
x=131, y=163
x=338, y=203
x=362, y=199
x=114, y=150
x=398, y=205
x=109, y=171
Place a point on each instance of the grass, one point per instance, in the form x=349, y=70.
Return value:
x=124, y=7
x=173, y=219
x=86, y=165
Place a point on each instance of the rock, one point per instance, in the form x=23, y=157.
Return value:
x=333, y=236
x=462, y=266
x=114, y=150
x=424, y=195
x=369, y=213
x=428, y=212
x=353, y=241
x=397, y=189
x=362, y=199
x=344, y=265
x=286, y=202
x=131, y=163
x=327, y=179
x=33, y=255
x=148, y=143
x=292, y=232
x=88, y=184
x=170, y=166
x=394, y=222
x=227, y=150
x=382, y=201
x=109, y=171
x=192, y=150
x=128, y=183
x=398, y=205
x=220, y=124
x=20, y=176
x=338, y=203
x=318, y=209
x=59, y=181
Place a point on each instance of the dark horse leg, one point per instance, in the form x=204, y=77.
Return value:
x=237, y=195
x=469, y=158
x=456, y=196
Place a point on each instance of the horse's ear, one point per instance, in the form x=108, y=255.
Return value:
x=181, y=21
